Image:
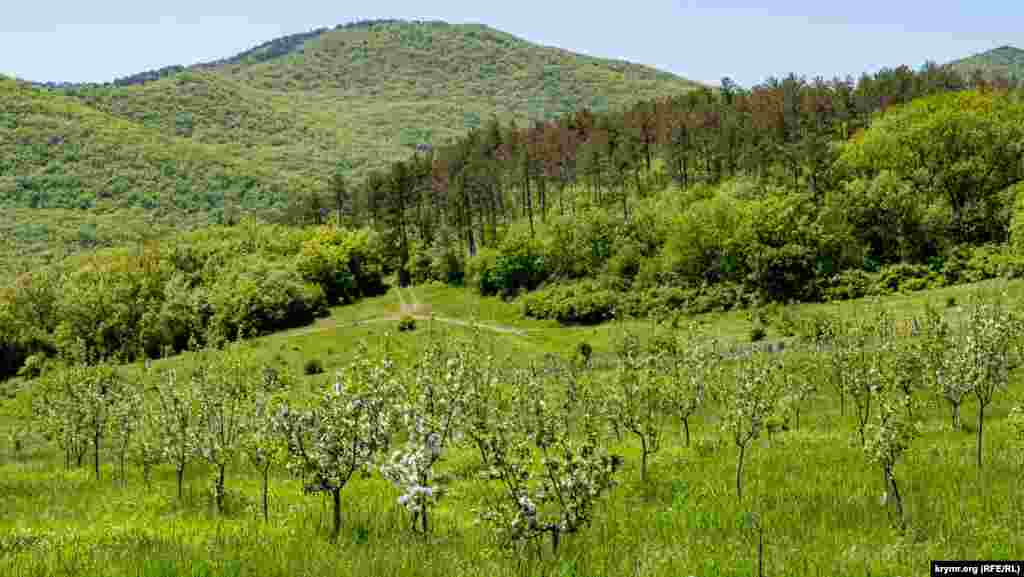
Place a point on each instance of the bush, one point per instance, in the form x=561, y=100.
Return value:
x=509, y=274
x=902, y=278
x=757, y=333
x=584, y=303
x=313, y=367
x=849, y=284
x=407, y=323
x=585, y=351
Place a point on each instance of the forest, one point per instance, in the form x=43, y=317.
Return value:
x=794, y=190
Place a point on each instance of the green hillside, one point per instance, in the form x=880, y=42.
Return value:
x=1005, y=61
x=64, y=162
x=254, y=130
x=362, y=95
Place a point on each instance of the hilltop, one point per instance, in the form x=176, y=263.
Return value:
x=362, y=95
x=1005, y=61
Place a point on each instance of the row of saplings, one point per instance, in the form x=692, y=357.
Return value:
x=542, y=433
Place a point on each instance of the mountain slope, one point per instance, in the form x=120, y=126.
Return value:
x=73, y=177
x=360, y=95
x=180, y=146
x=1006, y=61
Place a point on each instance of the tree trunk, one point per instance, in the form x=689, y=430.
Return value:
x=556, y=537
x=336, y=493
x=957, y=425
x=643, y=459
x=895, y=493
x=219, y=489
x=96, y=453
x=760, y=550
x=739, y=472
x=686, y=429
x=181, y=478
x=266, y=482
x=981, y=423
x=529, y=204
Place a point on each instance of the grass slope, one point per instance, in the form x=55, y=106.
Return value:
x=818, y=498
x=1005, y=61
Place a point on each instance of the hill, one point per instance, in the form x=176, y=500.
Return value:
x=257, y=129
x=1006, y=61
x=64, y=163
x=362, y=94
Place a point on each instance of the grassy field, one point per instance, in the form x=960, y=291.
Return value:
x=818, y=498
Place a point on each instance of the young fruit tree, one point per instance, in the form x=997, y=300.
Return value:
x=550, y=475
x=431, y=405
x=860, y=362
x=343, y=433
x=125, y=422
x=888, y=437
x=225, y=383
x=800, y=376
x=262, y=446
x=748, y=401
x=637, y=398
x=949, y=364
x=991, y=342
x=690, y=369
x=79, y=404
x=174, y=418
x=60, y=405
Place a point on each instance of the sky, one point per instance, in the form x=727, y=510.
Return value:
x=704, y=40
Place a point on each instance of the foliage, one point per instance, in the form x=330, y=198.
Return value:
x=343, y=433
x=558, y=497
x=406, y=324
x=749, y=400
x=313, y=367
x=197, y=287
x=432, y=407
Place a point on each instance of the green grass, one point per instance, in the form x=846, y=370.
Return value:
x=818, y=498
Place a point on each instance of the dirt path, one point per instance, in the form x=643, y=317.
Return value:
x=412, y=308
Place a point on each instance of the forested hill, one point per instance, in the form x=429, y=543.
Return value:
x=1005, y=61
x=266, y=128
x=360, y=95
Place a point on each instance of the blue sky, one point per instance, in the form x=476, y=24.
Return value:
x=62, y=40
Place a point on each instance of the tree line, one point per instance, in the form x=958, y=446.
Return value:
x=803, y=141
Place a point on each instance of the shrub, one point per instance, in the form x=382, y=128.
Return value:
x=585, y=303
x=509, y=274
x=902, y=277
x=757, y=333
x=407, y=323
x=849, y=284
x=584, y=350
x=313, y=367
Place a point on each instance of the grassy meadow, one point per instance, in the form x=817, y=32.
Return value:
x=817, y=497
